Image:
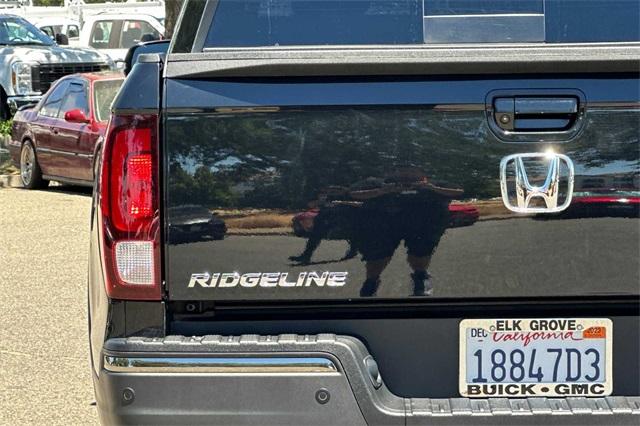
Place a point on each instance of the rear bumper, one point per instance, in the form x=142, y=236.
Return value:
x=289, y=379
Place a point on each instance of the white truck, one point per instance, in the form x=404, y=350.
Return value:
x=30, y=62
x=114, y=33
x=56, y=26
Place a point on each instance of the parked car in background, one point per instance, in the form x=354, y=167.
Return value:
x=459, y=215
x=463, y=215
x=195, y=223
x=615, y=204
x=31, y=62
x=60, y=138
x=56, y=26
x=114, y=34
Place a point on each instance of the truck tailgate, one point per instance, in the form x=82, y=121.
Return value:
x=338, y=189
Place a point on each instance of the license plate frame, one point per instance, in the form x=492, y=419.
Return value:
x=576, y=334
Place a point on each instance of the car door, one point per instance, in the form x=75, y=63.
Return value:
x=69, y=137
x=49, y=158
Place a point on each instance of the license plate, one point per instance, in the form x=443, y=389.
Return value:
x=536, y=357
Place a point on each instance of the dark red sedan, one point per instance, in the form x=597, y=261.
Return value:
x=60, y=137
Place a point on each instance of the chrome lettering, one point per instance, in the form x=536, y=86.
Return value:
x=267, y=279
x=249, y=280
x=337, y=279
x=199, y=279
x=313, y=278
x=229, y=280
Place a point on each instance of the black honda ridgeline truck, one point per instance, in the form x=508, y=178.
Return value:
x=400, y=212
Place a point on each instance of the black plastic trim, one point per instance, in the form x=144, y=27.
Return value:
x=424, y=308
x=536, y=136
x=406, y=60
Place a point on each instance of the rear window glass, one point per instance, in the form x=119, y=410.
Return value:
x=254, y=23
x=104, y=91
x=134, y=32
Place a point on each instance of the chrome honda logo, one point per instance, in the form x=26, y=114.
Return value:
x=525, y=192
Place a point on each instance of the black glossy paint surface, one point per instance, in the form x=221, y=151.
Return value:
x=395, y=193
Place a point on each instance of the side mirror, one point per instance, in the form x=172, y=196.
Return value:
x=62, y=39
x=75, y=116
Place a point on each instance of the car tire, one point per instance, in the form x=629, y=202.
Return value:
x=30, y=172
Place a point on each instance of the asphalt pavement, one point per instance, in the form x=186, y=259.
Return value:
x=44, y=362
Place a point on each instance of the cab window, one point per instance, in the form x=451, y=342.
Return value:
x=133, y=32
x=100, y=34
x=250, y=23
x=48, y=30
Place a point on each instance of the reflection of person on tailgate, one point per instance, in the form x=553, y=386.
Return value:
x=403, y=206
x=334, y=220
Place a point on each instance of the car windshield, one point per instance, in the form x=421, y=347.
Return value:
x=17, y=31
x=104, y=91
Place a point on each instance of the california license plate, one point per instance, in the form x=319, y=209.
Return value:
x=536, y=357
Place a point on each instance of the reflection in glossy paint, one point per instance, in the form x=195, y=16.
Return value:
x=303, y=190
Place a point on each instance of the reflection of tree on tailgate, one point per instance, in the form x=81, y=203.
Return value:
x=283, y=159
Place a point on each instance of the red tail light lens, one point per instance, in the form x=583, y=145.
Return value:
x=139, y=175
x=129, y=208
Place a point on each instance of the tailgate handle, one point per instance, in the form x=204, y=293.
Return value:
x=522, y=114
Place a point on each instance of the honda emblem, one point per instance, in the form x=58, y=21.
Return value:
x=550, y=179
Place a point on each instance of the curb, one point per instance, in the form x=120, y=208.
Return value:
x=10, y=181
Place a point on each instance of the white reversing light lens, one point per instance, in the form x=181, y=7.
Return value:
x=134, y=260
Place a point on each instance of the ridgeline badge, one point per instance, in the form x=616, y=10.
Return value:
x=267, y=279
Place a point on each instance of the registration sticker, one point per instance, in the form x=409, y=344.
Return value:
x=537, y=357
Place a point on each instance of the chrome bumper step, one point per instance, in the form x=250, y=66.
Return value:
x=298, y=365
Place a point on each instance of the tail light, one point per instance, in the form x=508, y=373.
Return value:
x=129, y=208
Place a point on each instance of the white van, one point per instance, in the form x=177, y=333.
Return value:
x=114, y=34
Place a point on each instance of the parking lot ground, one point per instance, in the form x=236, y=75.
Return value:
x=44, y=362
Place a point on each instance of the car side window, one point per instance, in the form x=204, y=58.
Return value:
x=134, y=31
x=48, y=30
x=75, y=98
x=73, y=31
x=100, y=34
x=52, y=104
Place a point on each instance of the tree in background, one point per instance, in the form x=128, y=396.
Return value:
x=172, y=10
x=48, y=2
